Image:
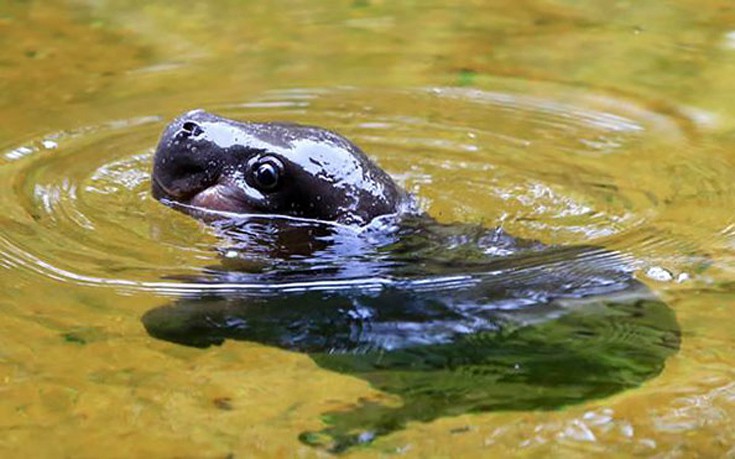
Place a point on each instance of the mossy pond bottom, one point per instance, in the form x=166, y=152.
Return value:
x=603, y=124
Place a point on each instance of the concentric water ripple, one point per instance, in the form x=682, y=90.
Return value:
x=76, y=205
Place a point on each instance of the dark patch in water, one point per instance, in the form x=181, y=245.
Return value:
x=453, y=319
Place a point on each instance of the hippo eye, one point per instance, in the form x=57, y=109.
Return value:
x=267, y=173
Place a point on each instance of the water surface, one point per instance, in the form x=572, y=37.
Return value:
x=605, y=124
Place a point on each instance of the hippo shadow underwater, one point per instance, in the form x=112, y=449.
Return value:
x=452, y=319
x=444, y=326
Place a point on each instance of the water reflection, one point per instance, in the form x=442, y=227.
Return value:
x=451, y=318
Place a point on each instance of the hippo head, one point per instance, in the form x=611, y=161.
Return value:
x=206, y=162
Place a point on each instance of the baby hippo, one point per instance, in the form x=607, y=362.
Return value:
x=452, y=319
x=204, y=161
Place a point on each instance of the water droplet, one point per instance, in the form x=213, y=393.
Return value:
x=660, y=274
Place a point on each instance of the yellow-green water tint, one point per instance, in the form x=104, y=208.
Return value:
x=571, y=122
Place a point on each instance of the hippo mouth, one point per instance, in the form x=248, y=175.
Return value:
x=223, y=198
x=220, y=197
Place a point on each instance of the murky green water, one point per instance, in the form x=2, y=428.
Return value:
x=606, y=123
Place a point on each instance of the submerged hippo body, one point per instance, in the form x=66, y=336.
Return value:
x=326, y=255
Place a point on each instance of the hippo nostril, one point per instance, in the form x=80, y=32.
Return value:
x=191, y=128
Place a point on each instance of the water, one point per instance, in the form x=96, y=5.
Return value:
x=605, y=124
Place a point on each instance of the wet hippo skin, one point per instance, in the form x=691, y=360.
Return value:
x=327, y=256
x=272, y=168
